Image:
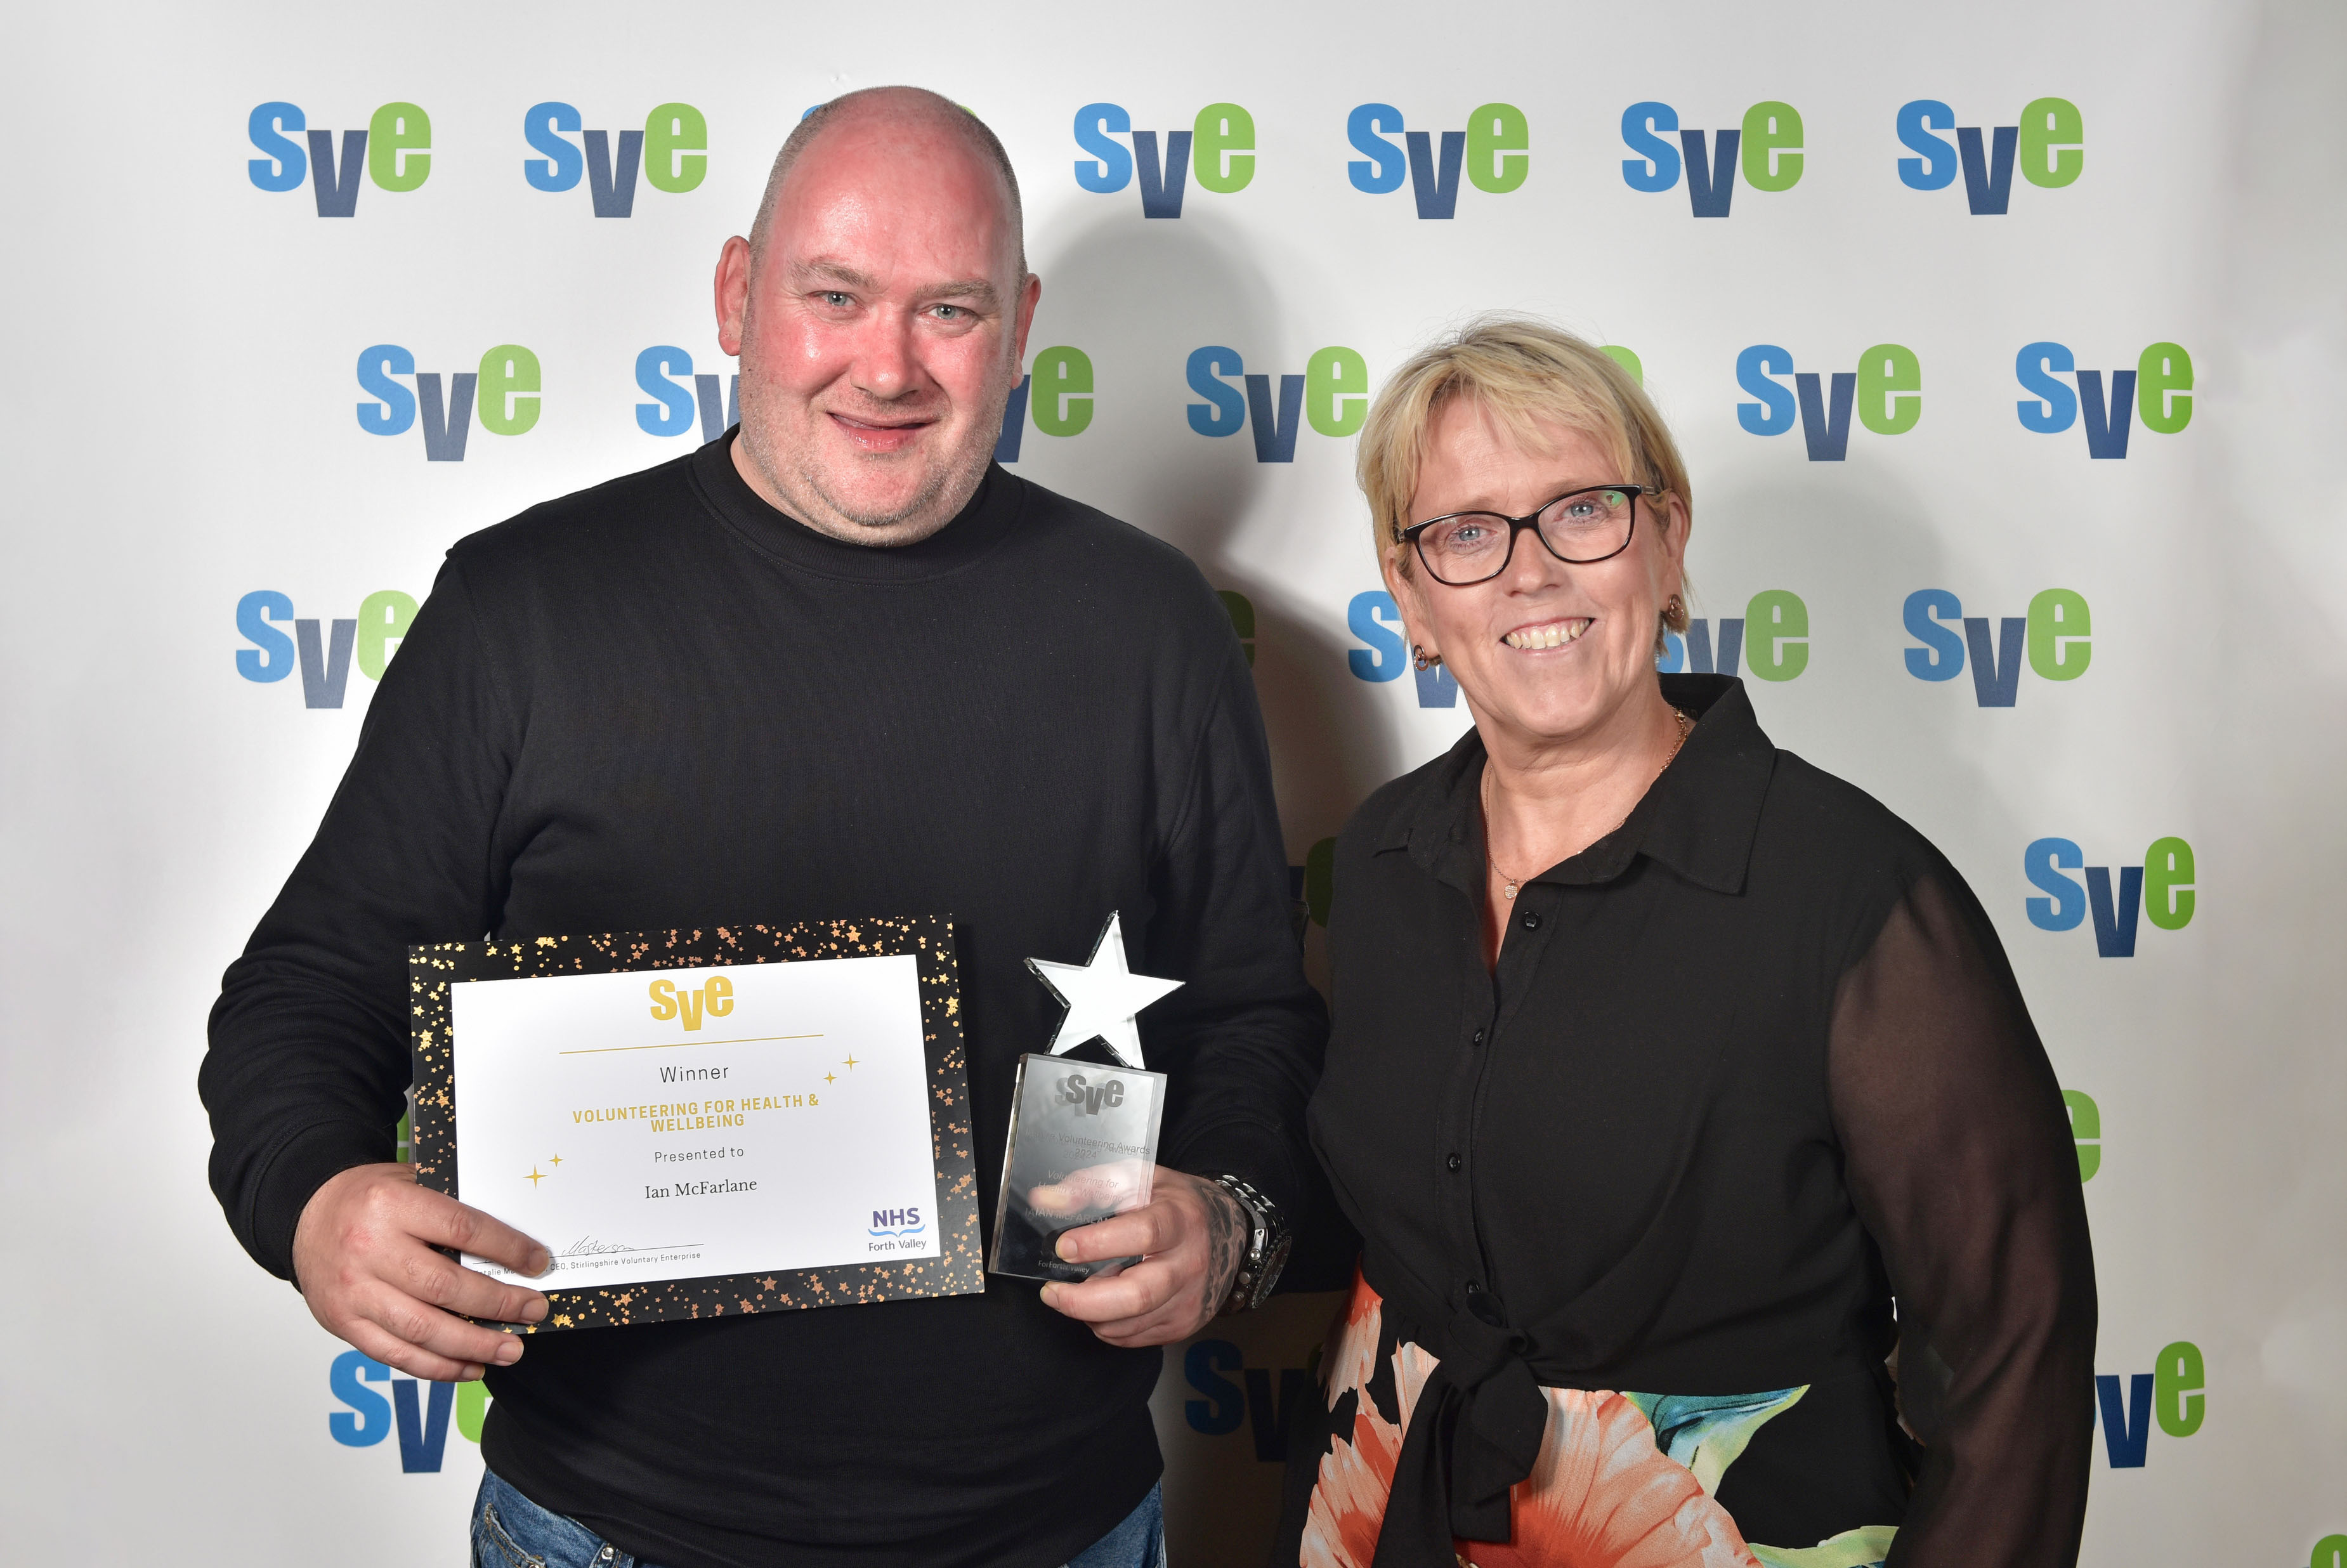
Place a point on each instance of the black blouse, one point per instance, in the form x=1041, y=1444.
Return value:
x=1752, y=1069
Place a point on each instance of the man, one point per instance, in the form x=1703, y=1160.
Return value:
x=836, y=663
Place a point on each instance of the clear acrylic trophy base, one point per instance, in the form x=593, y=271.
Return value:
x=1082, y=1146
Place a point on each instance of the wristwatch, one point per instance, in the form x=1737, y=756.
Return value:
x=1268, y=1244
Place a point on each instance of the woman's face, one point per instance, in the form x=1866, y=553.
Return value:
x=1545, y=651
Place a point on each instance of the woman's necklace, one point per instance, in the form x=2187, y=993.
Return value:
x=1512, y=881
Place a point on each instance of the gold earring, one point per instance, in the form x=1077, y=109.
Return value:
x=1420, y=658
x=1675, y=615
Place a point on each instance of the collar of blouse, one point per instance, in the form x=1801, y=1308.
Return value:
x=1698, y=818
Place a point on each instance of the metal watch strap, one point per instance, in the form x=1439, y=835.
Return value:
x=1267, y=1245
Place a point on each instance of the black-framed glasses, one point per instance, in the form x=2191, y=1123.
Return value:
x=1579, y=527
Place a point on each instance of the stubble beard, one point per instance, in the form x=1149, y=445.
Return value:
x=793, y=468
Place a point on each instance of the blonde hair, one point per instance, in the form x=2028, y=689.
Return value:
x=1526, y=372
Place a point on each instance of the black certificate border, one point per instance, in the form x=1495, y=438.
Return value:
x=958, y=1270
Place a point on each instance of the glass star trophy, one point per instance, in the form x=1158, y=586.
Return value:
x=1083, y=1137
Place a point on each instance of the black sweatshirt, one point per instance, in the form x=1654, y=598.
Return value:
x=659, y=704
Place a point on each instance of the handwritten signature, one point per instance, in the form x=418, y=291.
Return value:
x=588, y=1247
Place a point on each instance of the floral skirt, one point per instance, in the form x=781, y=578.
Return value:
x=1622, y=1479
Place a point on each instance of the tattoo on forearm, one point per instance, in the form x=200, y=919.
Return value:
x=1227, y=1232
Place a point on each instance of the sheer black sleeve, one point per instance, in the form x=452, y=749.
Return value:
x=1961, y=1163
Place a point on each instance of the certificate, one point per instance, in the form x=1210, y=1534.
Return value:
x=699, y=1124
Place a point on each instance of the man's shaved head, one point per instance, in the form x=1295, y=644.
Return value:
x=880, y=306
x=907, y=105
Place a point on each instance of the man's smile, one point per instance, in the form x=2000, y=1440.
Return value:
x=879, y=435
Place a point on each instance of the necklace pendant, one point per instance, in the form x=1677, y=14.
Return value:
x=1511, y=890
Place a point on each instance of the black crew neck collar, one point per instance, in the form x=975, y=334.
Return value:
x=973, y=534
x=1697, y=818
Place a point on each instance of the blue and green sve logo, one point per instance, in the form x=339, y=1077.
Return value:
x=421, y=1416
x=1886, y=392
x=2161, y=888
x=1494, y=151
x=506, y=388
x=1332, y=396
x=2048, y=144
x=1218, y=149
x=2158, y=391
x=1768, y=146
x=671, y=150
x=324, y=652
x=394, y=152
x=2057, y=632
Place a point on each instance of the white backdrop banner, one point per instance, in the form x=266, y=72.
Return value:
x=2008, y=348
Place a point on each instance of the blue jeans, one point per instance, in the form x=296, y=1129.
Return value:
x=510, y=1531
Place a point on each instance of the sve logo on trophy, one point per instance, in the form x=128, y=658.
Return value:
x=1088, y=1099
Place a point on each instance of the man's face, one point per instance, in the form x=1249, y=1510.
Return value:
x=881, y=331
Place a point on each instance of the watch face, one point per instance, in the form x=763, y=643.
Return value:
x=1272, y=1264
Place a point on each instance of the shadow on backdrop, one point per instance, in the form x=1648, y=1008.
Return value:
x=1159, y=291
x=1841, y=547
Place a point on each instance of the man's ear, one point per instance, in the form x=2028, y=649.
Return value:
x=1023, y=319
x=733, y=290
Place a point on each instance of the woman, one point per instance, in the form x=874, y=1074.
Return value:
x=1675, y=1083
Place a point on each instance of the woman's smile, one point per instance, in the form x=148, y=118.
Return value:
x=1541, y=636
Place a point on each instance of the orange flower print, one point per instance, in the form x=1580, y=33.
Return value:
x=1352, y=1361
x=1349, y=1500
x=1603, y=1495
x=1349, y=1503
x=1621, y=1480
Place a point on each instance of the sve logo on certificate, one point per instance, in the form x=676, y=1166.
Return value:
x=698, y=1123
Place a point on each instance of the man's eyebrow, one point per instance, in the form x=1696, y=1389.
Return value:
x=832, y=272
x=979, y=289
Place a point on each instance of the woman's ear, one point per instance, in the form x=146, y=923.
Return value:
x=1403, y=585
x=1670, y=545
x=1678, y=523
